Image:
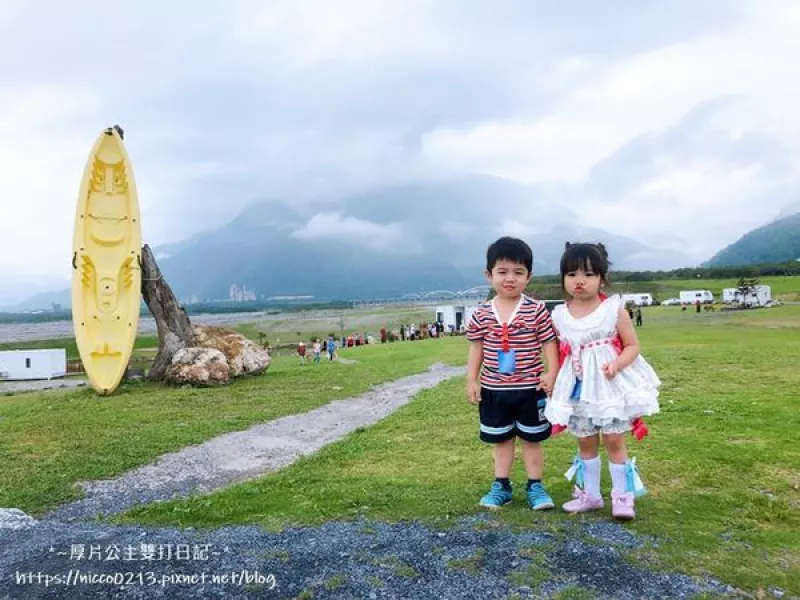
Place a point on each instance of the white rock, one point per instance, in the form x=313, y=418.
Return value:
x=14, y=518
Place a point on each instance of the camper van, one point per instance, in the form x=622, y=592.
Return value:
x=695, y=296
x=758, y=296
x=638, y=299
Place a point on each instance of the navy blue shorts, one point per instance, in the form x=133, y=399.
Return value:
x=508, y=413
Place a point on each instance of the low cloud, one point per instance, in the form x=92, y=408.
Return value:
x=336, y=228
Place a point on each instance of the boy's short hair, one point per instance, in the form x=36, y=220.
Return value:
x=509, y=248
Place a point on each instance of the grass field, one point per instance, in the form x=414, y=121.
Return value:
x=721, y=463
x=49, y=441
x=143, y=342
x=319, y=324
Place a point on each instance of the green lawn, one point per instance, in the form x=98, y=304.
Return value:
x=142, y=342
x=50, y=440
x=721, y=463
x=302, y=326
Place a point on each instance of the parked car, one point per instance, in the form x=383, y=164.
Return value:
x=671, y=302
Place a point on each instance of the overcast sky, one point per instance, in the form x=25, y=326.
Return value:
x=675, y=123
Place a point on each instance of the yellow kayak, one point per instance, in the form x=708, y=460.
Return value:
x=106, y=275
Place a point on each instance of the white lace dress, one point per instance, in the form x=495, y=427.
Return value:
x=601, y=404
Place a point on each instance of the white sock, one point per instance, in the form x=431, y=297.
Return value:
x=618, y=482
x=592, y=476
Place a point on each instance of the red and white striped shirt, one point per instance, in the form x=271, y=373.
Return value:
x=529, y=329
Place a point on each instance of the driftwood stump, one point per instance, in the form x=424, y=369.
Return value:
x=188, y=354
x=172, y=322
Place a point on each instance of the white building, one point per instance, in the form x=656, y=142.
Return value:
x=32, y=364
x=638, y=299
x=241, y=294
x=454, y=317
x=758, y=296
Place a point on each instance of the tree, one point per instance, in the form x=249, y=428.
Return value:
x=262, y=339
x=172, y=322
x=745, y=288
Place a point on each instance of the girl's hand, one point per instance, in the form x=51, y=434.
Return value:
x=547, y=382
x=474, y=392
x=611, y=369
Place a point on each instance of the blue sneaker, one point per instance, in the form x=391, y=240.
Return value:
x=538, y=498
x=497, y=497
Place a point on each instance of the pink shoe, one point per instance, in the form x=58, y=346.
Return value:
x=622, y=506
x=582, y=502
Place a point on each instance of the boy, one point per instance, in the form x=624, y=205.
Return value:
x=508, y=336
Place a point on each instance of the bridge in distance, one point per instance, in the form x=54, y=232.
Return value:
x=475, y=294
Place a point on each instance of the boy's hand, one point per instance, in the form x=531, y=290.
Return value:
x=547, y=382
x=611, y=369
x=474, y=392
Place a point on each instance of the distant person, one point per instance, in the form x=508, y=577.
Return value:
x=638, y=316
x=629, y=307
x=301, y=352
x=317, y=349
x=697, y=306
x=604, y=385
x=506, y=376
x=331, y=348
x=402, y=333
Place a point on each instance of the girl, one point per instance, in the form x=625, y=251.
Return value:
x=603, y=384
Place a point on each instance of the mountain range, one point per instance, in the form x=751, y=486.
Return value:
x=775, y=242
x=381, y=243
x=384, y=243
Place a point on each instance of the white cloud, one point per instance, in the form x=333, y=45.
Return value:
x=456, y=230
x=755, y=63
x=645, y=93
x=41, y=163
x=719, y=198
x=390, y=238
x=291, y=100
x=359, y=32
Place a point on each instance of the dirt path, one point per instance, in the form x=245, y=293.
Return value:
x=242, y=455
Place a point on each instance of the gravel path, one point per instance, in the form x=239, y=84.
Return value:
x=8, y=388
x=243, y=455
x=65, y=555
x=473, y=559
